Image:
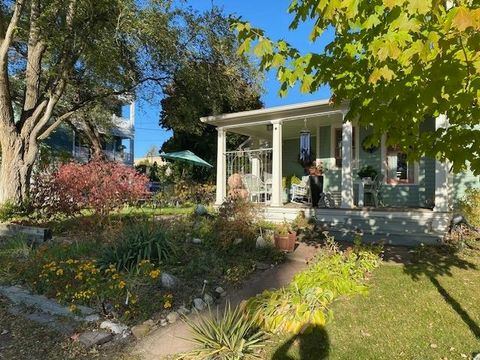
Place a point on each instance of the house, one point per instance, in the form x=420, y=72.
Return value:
x=417, y=196
x=117, y=141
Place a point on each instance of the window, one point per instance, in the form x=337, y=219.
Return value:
x=337, y=143
x=399, y=169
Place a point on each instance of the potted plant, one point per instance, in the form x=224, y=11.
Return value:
x=285, y=237
x=367, y=172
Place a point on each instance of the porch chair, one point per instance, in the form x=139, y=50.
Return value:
x=374, y=190
x=257, y=191
x=301, y=192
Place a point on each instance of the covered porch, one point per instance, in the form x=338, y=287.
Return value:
x=270, y=159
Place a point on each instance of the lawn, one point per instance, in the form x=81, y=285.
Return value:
x=427, y=309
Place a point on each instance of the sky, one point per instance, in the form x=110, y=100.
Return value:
x=270, y=15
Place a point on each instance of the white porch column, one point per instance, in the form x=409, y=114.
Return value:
x=277, y=164
x=317, y=146
x=347, y=180
x=221, y=167
x=441, y=174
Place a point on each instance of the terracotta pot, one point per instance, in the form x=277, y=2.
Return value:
x=285, y=242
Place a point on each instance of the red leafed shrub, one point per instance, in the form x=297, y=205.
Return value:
x=98, y=185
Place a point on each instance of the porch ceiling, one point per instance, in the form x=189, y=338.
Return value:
x=291, y=127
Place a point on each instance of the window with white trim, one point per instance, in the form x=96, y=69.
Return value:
x=399, y=169
x=337, y=146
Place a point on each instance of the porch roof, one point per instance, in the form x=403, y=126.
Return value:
x=298, y=111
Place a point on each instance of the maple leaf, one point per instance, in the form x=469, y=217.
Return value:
x=462, y=19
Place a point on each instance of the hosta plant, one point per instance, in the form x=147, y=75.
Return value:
x=232, y=336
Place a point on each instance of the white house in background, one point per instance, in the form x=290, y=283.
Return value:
x=417, y=196
x=118, y=141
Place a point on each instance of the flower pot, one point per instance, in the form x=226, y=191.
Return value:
x=285, y=242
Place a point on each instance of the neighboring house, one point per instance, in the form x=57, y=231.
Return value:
x=150, y=160
x=417, y=196
x=117, y=141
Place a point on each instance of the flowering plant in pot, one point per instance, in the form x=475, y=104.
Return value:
x=285, y=237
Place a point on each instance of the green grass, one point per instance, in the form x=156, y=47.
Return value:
x=425, y=310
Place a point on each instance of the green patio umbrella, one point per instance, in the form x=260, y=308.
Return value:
x=186, y=155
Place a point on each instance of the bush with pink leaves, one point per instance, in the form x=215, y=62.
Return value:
x=98, y=185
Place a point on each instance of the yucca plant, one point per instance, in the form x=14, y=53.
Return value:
x=139, y=241
x=233, y=336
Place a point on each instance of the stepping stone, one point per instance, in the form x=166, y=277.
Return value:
x=92, y=338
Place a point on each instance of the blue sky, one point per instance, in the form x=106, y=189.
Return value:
x=270, y=15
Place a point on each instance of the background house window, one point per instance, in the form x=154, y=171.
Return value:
x=399, y=169
x=337, y=141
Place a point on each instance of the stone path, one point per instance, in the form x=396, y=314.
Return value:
x=174, y=338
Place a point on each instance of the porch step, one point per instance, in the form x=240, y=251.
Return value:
x=399, y=239
x=386, y=225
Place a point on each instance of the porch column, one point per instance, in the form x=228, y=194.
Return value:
x=221, y=168
x=132, y=150
x=277, y=164
x=441, y=174
x=347, y=180
x=317, y=146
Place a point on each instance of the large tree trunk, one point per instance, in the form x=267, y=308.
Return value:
x=15, y=169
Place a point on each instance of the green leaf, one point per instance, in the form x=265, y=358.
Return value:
x=264, y=47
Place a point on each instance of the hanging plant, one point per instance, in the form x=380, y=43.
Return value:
x=368, y=146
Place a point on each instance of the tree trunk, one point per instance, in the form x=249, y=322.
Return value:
x=15, y=169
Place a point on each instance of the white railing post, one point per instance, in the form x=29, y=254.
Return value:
x=221, y=168
x=277, y=154
x=347, y=180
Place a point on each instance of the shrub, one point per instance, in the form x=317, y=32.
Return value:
x=470, y=206
x=236, y=219
x=304, y=302
x=232, y=336
x=9, y=211
x=98, y=185
x=139, y=241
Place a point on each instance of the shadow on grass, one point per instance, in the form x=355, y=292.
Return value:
x=439, y=261
x=314, y=345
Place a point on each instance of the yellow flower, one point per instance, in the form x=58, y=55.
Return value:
x=154, y=274
x=115, y=276
x=79, y=276
x=72, y=307
x=121, y=284
x=69, y=261
x=59, y=272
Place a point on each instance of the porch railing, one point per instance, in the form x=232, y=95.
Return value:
x=255, y=168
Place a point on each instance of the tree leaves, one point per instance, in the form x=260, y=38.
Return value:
x=398, y=62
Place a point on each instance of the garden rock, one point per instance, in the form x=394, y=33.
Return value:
x=168, y=281
x=172, y=317
x=262, y=266
x=199, y=304
x=197, y=241
x=92, y=338
x=208, y=299
x=220, y=292
x=261, y=243
x=139, y=331
x=201, y=210
x=163, y=322
x=114, y=327
x=149, y=322
x=182, y=310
